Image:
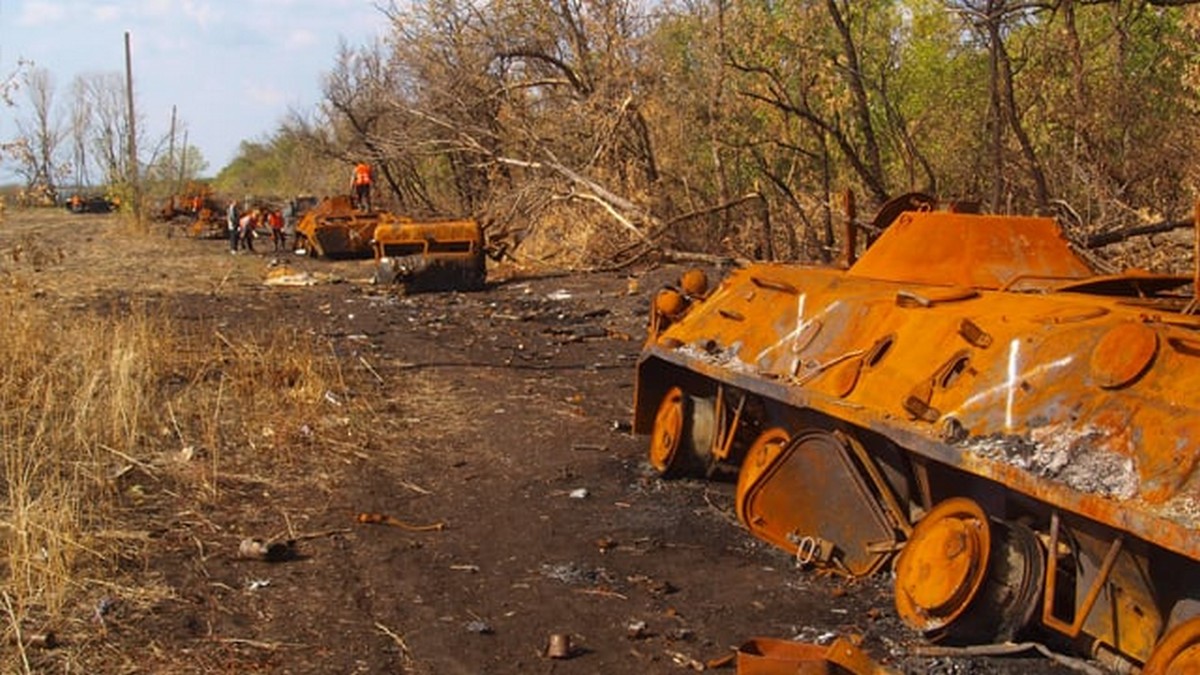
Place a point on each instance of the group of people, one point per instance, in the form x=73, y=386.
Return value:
x=243, y=226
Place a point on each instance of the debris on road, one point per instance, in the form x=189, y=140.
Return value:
x=251, y=548
x=558, y=646
x=46, y=640
x=381, y=519
x=287, y=276
x=479, y=627
x=771, y=656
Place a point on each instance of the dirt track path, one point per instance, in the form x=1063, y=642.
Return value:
x=496, y=413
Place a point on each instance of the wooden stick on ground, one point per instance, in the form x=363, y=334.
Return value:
x=381, y=519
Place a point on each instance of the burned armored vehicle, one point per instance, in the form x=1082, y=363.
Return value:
x=968, y=405
x=334, y=228
x=430, y=255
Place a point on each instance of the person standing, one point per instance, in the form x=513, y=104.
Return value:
x=233, y=218
x=289, y=223
x=246, y=229
x=360, y=184
x=275, y=222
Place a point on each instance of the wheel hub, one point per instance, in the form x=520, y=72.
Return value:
x=943, y=564
x=668, y=430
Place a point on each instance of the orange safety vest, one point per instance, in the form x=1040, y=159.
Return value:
x=362, y=175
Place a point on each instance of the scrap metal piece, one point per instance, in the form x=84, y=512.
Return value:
x=558, y=646
x=772, y=656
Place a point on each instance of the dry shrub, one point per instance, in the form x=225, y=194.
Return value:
x=572, y=236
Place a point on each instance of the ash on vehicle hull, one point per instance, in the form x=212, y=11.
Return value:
x=1019, y=433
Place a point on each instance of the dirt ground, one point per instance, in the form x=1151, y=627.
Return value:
x=501, y=414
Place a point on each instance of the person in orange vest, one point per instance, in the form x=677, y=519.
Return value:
x=360, y=185
x=275, y=221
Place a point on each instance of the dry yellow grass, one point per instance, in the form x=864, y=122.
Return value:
x=99, y=408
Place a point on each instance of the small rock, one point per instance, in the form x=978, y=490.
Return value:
x=479, y=627
x=252, y=548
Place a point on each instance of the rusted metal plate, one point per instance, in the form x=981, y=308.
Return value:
x=971, y=250
x=787, y=493
x=445, y=254
x=1122, y=354
x=771, y=656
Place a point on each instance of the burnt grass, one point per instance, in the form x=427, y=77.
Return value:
x=501, y=416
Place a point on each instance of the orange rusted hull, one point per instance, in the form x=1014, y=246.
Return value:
x=962, y=355
x=335, y=229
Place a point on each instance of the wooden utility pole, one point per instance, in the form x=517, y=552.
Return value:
x=134, y=182
x=169, y=175
x=183, y=158
x=171, y=144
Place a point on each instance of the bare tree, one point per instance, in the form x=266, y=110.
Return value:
x=105, y=95
x=40, y=133
x=360, y=94
x=80, y=131
x=992, y=19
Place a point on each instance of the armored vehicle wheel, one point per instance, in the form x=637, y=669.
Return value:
x=1178, y=651
x=682, y=438
x=965, y=578
x=943, y=565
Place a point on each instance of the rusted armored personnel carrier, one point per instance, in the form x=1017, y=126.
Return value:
x=431, y=255
x=969, y=402
x=335, y=229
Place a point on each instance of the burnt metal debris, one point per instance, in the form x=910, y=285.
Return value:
x=968, y=404
x=430, y=255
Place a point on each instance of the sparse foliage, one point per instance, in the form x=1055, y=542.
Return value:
x=617, y=128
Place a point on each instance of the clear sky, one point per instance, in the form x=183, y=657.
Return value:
x=233, y=68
